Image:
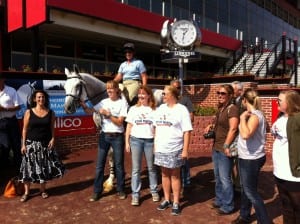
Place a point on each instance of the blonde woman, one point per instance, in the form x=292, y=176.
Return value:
x=113, y=110
x=251, y=157
x=172, y=135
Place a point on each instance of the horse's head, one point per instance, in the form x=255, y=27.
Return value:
x=157, y=93
x=75, y=91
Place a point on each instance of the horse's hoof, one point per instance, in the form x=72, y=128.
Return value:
x=107, y=188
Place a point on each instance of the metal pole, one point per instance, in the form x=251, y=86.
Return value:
x=296, y=61
x=180, y=64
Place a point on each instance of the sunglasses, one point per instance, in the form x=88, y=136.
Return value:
x=221, y=93
x=141, y=95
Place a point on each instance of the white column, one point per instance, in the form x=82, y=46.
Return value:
x=241, y=35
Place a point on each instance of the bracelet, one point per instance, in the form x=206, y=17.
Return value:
x=225, y=146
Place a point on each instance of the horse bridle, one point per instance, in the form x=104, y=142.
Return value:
x=77, y=98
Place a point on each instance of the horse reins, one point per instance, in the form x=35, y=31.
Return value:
x=80, y=90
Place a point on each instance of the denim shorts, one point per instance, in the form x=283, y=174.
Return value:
x=169, y=160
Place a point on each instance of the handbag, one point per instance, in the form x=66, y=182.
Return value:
x=14, y=188
x=233, y=147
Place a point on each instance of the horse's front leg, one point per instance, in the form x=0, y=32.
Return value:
x=108, y=184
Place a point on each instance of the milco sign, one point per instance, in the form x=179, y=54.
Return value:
x=73, y=125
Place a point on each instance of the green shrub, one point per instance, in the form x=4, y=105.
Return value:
x=204, y=111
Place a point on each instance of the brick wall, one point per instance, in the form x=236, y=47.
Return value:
x=202, y=94
x=70, y=144
x=205, y=95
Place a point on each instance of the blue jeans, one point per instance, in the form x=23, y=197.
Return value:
x=140, y=146
x=185, y=174
x=249, y=172
x=224, y=187
x=117, y=143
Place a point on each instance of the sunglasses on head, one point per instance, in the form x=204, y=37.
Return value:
x=221, y=93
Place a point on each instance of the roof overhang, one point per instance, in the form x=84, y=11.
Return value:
x=90, y=28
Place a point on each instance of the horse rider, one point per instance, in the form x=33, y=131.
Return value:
x=132, y=72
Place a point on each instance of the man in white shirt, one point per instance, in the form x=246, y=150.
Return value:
x=10, y=135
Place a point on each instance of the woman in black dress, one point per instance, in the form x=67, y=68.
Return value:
x=40, y=162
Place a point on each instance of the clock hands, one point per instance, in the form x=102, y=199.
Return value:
x=184, y=31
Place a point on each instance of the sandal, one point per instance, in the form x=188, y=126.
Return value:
x=44, y=195
x=24, y=197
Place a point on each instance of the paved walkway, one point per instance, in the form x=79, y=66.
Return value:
x=68, y=201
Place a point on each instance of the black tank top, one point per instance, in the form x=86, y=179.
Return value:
x=39, y=128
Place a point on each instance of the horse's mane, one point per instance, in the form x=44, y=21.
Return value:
x=96, y=89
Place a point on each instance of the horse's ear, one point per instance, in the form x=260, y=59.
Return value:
x=121, y=87
x=67, y=72
x=75, y=68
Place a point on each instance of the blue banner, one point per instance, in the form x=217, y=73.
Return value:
x=54, y=88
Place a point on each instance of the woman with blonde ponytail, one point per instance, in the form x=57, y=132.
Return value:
x=252, y=157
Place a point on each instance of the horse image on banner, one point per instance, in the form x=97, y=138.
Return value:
x=85, y=87
x=25, y=91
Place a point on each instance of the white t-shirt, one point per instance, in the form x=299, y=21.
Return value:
x=281, y=161
x=141, y=118
x=9, y=98
x=117, y=108
x=170, y=124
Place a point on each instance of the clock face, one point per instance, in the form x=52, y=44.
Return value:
x=184, y=33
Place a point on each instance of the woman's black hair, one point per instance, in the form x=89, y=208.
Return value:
x=33, y=96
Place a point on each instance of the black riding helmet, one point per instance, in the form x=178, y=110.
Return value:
x=128, y=47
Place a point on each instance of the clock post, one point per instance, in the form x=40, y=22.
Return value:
x=180, y=42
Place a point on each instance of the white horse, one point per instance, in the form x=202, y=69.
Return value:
x=82, y=87
x=25, y=91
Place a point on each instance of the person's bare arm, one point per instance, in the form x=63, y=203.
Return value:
x=118, y=77
x=144, y=78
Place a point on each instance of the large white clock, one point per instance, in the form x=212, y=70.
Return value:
x=184, y=33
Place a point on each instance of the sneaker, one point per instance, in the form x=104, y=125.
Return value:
x=175, y=209
x=221, y=212
x=155, y=197
x=122, y=195
x=95, y=197
x=135, y=201
x=240, y=220
x=164, y=205
x=214, y=205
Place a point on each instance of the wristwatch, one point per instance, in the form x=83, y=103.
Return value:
x=225, y=146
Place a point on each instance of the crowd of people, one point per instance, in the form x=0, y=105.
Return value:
x=162, y=134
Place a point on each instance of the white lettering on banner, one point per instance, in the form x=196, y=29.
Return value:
x=62, y=122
